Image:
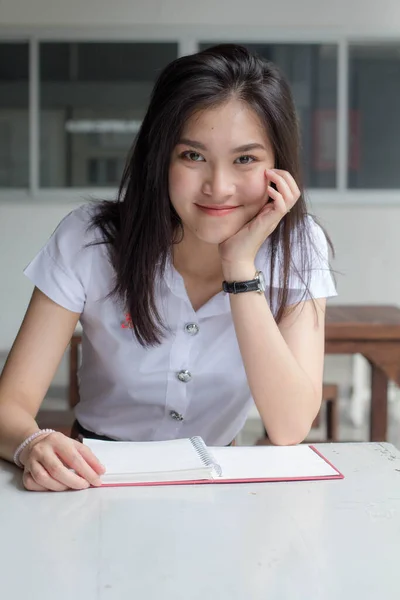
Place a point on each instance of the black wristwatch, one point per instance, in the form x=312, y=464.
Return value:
x=253, y=285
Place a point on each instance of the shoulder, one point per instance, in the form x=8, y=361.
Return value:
x=309, y=230
x=309, y=244
x=77, y=227
x=307, y=241
x=310, y=261
x=76, y=238
x=63, y=267
x=317, y=236
x=307, y=272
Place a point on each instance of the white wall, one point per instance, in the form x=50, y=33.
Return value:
x=367, y=244
x=342, y=14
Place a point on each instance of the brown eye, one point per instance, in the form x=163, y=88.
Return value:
x=192, y=156
x=246, y=159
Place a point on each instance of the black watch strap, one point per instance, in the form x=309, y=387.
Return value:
x=237, y=287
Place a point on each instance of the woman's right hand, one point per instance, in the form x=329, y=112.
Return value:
x=48, y=461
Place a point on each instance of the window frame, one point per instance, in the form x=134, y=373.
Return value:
x=188, y=39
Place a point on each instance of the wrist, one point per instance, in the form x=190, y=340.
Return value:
x=22, y=452
x=238, y=271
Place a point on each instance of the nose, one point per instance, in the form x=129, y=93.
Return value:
x=219, y=185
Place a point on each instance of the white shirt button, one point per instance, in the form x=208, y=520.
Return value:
x=192, y=328
x=175, y=415
x=184, y=376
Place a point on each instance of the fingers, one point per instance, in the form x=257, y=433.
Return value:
x=289, y=180
x=55, y=469
x=91, y=459
x=39, y=480
x=74, y=459
x=281, y=184
x=58, y=463
x=279, y=203
x=30, y=484
x=286, y=187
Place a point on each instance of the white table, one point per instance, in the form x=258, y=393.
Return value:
x=324, y=540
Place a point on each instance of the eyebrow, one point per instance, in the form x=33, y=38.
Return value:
x=244, y=148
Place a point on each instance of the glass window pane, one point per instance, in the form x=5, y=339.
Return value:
x=14, y=121
x=311, y=70
x=93, y=97
x=374, y=118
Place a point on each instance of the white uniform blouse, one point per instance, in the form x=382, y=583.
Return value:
x=193, y=383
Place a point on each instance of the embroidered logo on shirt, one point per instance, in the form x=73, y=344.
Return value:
x=127, y=324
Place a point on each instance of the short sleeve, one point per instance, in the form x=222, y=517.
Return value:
x=321, y=283
x=62, y=268
x=310, y=275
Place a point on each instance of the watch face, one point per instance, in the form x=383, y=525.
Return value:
x=261, y=279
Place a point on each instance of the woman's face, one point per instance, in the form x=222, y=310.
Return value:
x=217, y=177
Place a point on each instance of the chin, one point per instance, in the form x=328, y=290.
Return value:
x=213, y=241
x=214, y=238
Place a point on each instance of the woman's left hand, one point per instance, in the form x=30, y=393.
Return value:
x=244, y=245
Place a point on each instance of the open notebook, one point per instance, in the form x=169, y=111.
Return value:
x=191, y=461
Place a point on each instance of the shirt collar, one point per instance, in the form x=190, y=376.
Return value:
x=218, y=304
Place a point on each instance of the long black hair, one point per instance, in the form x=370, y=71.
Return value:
x=140, y=227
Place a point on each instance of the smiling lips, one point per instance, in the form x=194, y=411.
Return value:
x=217, y=211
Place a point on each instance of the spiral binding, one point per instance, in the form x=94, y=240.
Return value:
x=205, y=455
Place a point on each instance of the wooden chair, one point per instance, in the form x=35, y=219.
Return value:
x=330, y=403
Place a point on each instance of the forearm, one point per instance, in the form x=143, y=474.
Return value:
x=16, y=424
x=283, y=392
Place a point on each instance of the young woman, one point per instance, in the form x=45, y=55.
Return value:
x=201, y=288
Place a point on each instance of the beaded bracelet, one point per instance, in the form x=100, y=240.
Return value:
x=25, y=443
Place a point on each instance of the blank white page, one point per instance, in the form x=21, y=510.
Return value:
x=271, y=462
x=146, y=457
